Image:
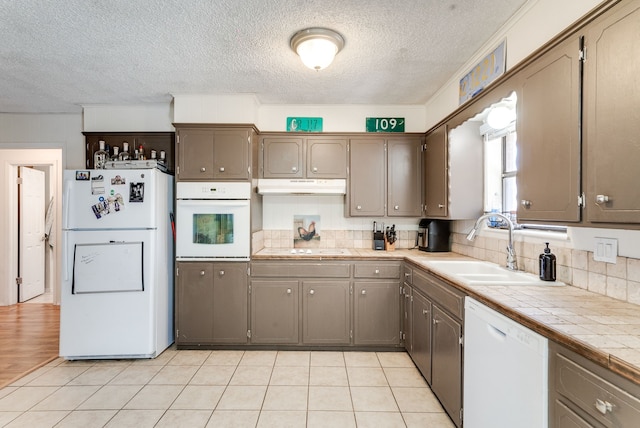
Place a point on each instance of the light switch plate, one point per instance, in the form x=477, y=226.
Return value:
x=606, y=250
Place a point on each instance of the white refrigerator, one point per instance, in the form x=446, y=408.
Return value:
x=117, y=273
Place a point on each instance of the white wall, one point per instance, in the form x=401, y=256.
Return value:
x=533, y=26
x=340, y=118
x=45, y=131
x=33, y=139
x=128, y=118
x=243, y=108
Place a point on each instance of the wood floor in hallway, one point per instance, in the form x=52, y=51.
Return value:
x=29, y=337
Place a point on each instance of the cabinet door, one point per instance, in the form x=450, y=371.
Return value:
x=377, y=313
x=436, y=174
x=367, y=177
x=326, y=158
x=195, y=154
x=274, y=312
x=612, y=117
x=407, y=318
x=446, y=363
x=326, y=318
x=231, y=154
x=194, y=301
x=548, y=142
x=282, y=157
x=404, y=177
x=421, y=334
x=230, y=302
x=564, y=417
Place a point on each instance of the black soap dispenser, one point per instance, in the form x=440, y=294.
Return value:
x=547, y=265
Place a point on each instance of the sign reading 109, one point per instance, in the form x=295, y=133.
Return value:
x=385, y=124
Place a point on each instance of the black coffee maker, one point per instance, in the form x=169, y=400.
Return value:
x=433, y=235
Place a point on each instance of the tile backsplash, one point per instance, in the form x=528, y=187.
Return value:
x=330, y=239
x=620, y=280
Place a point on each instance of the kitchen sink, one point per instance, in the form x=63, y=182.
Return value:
x=473, y=272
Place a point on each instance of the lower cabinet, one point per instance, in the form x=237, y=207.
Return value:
x=421, y=333
x=326, y=312
x=446, y=363
x=211, y=303
x=325, y=303
x=377, y=313
x=434, y=313
x=583, y=394
x=274, y=311
x=377, y=303
x=277, y=317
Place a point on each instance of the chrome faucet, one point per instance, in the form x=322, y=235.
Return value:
x=511, y=252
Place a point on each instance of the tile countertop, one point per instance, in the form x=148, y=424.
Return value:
x=602, y=329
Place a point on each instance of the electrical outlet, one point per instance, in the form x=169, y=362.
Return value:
x=606, y=250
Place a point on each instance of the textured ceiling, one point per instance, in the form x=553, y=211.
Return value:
x=57, y=55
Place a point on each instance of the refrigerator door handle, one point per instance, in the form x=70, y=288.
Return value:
x=65, y=258
x=65, y=205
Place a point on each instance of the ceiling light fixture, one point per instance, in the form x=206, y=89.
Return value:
x=317, y=46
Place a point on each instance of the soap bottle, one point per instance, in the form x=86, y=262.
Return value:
x=547, y=265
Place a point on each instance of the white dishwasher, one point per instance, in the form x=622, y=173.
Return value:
x=505, y=371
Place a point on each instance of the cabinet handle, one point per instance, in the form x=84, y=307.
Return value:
x=407, y=275
x=221, y=169
x=315, y=169
x=436, y=321
x=602, y=199
x=359, y=207
x=288, y=291
x=363, y=292
x=525, y=203
x=201, y=273
x=425, y=312
x=221, y=273
x=377, y=271
x=294, y=168
x=440, y=206
x=396, y=207
x=203, y=169
x=603, y=406
x=312, y=292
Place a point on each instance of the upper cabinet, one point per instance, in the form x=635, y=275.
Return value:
x=385, y=176
x=158, y=141
x=404, y=178
x=436, y=181
x=285, y=156
x=208, y=152
x=453, y=173
x=367, y=177
x=548, y=126
x=612, y=116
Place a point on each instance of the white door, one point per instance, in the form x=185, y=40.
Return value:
x=31, y=234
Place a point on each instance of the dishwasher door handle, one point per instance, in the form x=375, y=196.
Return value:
x=496, y=332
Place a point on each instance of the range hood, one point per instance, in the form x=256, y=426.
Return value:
x=301, y=186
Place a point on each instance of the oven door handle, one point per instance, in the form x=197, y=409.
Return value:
x=212, y=203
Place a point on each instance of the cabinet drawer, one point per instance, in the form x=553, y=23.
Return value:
x=605, y=402
x=441, y=293
x=300, y=270
x=377, y=270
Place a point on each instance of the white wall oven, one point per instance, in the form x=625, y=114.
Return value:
x=213, y=221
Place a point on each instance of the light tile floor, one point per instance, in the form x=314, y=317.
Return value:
x=226, y=389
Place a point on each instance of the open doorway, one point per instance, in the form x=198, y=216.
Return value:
x=13, y=164
x=32, y=236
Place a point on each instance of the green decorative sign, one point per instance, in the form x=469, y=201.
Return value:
x=385, y=124
x=304, y=124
